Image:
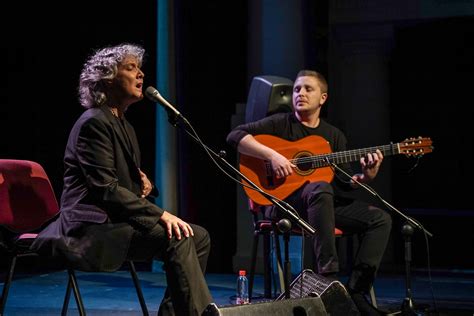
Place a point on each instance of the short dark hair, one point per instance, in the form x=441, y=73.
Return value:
x=323, y=84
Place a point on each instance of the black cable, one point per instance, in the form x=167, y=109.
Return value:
x=276, y=201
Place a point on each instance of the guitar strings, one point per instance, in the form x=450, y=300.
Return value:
x=346, y=156
x=321, y=160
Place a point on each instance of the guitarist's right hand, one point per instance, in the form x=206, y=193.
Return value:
x=281, y=166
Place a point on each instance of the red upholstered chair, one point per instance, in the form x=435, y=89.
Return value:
x=27, y=204
x=268, y=229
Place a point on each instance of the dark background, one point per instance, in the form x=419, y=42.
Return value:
x=432, y=71
x=431, y=88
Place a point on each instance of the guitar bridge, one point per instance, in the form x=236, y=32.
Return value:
x=269, y=174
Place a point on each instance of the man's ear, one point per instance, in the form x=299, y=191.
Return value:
x=324, y=97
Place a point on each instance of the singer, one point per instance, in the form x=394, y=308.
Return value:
x=106, y=214
x=324, y=205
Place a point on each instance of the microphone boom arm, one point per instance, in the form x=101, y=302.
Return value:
x=174, y=115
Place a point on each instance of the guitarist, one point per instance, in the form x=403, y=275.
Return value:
x=324, y=205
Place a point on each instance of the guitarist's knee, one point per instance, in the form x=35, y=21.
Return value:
x=319, y=187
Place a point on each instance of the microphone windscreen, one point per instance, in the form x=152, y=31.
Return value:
x=150, y=92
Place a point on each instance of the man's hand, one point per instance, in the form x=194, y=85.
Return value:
x=146, y=184
x=175, y=226
x=282, y=167
x=370, y=167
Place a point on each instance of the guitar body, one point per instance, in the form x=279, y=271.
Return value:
x=260, y=172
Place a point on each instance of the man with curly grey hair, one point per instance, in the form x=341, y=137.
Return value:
x=106, y=216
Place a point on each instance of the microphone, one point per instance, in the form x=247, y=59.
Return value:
x=155, y=96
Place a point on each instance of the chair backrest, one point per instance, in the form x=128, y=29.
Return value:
x=27, y=199
x=254, y=208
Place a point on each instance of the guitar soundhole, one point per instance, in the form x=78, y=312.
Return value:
x=304, y=163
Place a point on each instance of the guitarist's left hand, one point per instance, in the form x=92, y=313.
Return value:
x=370, y=167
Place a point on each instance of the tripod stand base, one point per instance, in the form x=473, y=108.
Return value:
x=394, y=309
x=410, y=309
x=407, y=308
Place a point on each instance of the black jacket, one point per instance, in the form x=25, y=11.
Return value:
x=100, y=203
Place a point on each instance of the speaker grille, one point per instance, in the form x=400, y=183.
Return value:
x=309, y=283
x=334, y=295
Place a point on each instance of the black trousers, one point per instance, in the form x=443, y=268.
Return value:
x=185, y=263
x=317, y=204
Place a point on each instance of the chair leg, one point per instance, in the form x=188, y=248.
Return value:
x=136, y=282
x=373, y=300
x=72, y=283
x=253, y=263
x=281, y=274
x=67, y=297
x=268, y=265
x=6, y=285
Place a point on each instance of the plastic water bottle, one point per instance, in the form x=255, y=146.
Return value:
x=242, y=288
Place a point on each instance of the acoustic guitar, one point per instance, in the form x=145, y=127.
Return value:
x=312, y=156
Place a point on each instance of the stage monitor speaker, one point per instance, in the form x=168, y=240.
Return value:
x=308, y=306
x=334, y=295
x=268, y=95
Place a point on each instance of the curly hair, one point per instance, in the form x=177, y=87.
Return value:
x=103, y=65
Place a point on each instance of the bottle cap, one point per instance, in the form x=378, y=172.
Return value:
x=242, y=272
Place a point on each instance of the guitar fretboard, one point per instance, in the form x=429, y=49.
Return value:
x=325, y=160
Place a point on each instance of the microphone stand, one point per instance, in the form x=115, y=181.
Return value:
x=287, y=209
x=407, y=308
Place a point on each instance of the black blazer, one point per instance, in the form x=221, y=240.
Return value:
x=100, y=203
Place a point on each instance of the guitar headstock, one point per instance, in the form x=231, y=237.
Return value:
x=416, y=146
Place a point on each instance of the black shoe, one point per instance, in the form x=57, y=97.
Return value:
x=364, y=306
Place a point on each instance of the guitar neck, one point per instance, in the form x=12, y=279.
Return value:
x=325, y=160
